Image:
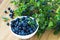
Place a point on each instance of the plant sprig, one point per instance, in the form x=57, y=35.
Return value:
x=43, y=10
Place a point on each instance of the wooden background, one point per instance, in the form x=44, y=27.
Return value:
x=5, y=33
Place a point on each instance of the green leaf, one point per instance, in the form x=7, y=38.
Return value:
x=50, y=25
x=5, y=18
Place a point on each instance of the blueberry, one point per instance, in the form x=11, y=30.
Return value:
x=13, y=30
x=15, y=25
x=58, y=23
x=8, y=24
x=12, y=25
x=16, y=32
x=48, y=16
x=31, y=31
x=50, y=11
x=27, y=27
x=28, y=33
x=25, y=21
x=34, y=29
x=20, y=28
x=21, y=25
x=53, y=11
x=19, y=33
x=24, y=11
x=13, y=21
x=17, y=19
x=24, y=24
x=24, y=28
x=17, y=22
x=22, y=32
x=5, y=11
x=11, y=15
x=23, y=18
x=11, y=11
x=16, y=28
x=25, y=2
x=25, y=33
x=30, y=28
x=9, y=8
x=44, y=3
x=28, y=16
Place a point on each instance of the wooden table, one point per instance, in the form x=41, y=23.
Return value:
x=5, y=33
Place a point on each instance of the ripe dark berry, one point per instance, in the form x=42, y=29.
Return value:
x=25, y=2
x=23, y=18
x=20, y=27
x=48, y=16
x=5, y=11
x=17, y=19
x=44, y=3
x=24, y=28
x=22, y=32
x=13, y=21
x=13, y=29
x=16, y=32
x=50, y=11
x=31, y=31
x=24, y=13
x=9, y=8
x=8, y=24
x=28, y=16
x=11, y=11
x=12, y=25
x=16, y=28
x=11, y=15
x=17, y=22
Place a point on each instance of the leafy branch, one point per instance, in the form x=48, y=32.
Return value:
x=45, y=12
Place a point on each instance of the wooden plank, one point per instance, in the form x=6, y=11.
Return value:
x=5, y=33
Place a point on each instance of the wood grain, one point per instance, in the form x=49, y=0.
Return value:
x=5, y=33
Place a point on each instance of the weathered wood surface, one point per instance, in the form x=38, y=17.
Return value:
x=5, y=33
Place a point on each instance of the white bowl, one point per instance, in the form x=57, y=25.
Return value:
x=26, y=36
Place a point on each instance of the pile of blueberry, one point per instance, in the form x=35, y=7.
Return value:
x=24, y=25
x=11, y=12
